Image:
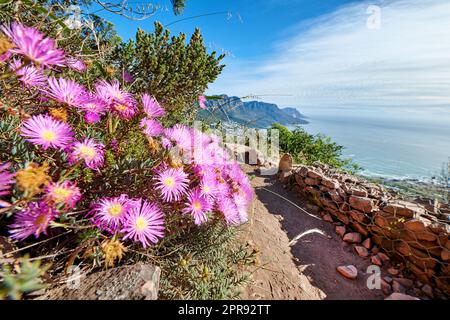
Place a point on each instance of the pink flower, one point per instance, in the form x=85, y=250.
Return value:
x=30, y=76
x=151, y=107
x=109, y=213
x=94, y=108
x=197, y=205
x=172, y=183
x=117, y=100
x=33, y=44
x=76, y=64
x=65, y=91
x=47, y=132
x=229, y=210
x=151, y=127
x=89, y=151
x=34, y=219
x=144, y=223
x=5, y=56
x=6, y=179
x=201, y=102
x=66, y=193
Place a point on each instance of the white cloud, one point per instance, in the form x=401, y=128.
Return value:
x=336, y=60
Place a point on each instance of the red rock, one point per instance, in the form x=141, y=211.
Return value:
x=363, y=204
x=385, y=287
x=361, y=251
x=360, y=228
x=314, y=174
x=397, y=287
x=445, y=254
x=311, y=182
x=340, y=230
x=387, y=279
x=330, y=183
x=327, y=218
x=367, y=243
x=400, y=296
x=335, y=196
x=407, y=283
x=428, y=290
x=358, y=216
x=383, y=257
x=404, y=209
x=376, y=260
x=393, y=271
x=350, y=271
x=352, y=237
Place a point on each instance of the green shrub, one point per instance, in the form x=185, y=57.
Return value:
x=306, y=148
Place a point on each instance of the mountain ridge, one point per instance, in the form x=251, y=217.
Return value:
x=256, y=114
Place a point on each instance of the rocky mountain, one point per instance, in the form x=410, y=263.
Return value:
x=255, y=114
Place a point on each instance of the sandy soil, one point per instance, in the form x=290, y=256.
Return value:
x=298, y=251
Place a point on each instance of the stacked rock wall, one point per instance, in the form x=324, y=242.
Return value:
x=415, y=235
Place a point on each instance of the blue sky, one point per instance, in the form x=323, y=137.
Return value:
x=311, y=53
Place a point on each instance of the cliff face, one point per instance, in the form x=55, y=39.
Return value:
x=254, y=114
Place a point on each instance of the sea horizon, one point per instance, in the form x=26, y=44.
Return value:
x=387, y=144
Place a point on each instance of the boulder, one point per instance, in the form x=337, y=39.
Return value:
x=376, y=260
x=285, y=163
x=327, y=218
x=349, y=272
x=311, y=181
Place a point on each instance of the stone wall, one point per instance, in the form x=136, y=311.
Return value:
x=413, y=234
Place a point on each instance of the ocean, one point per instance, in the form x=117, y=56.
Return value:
x=395, y=144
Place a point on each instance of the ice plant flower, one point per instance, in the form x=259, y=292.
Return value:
x=208, y=185
x=181, y=135
x=5, y=56
x=172, y=183
x=109, y=213
x=33, y=45
x=76, y=64
x=197, y=205
x=94, y=108
x=144, y=223
x=201, y=102
x=118, y=101
x=151, y=127
x=6, y=179
x=30, y=76
x=66, y=193
x=45, y=131
x=151, y=107
x=34, y=219
x=229, y=210
x=65, y=91
x=91, y=152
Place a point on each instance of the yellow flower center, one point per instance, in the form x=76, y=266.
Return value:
x=206, y=189
x=48, y=135
x=60, y=194
x=87, y=152
x=197, y=205
x=169, y=182
x=115, y=210
x=121, y=107
x=40, y=220
x=141, y=224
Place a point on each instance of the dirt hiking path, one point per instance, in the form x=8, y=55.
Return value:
x=298, y=252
